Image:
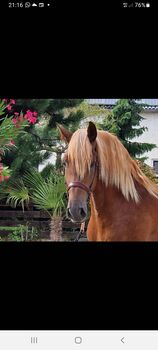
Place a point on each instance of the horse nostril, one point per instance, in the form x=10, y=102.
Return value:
x=82, y=213
x=76, y=213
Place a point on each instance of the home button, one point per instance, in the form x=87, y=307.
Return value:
x=78, y=340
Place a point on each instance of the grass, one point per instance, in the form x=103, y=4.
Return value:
x=8, y=228
x=19, y=233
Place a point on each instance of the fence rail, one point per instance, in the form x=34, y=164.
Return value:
x=39, y=219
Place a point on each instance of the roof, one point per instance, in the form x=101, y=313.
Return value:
x=109, y=103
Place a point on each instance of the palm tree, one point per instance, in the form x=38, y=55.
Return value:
x=48, y=194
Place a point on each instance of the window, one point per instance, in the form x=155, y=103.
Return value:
x=155, y=166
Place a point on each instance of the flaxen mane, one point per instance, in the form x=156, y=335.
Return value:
x=116, y=166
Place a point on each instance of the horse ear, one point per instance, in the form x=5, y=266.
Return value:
x=65, y=134
x=92, y=132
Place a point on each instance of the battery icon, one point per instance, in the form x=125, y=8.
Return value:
x=41, y=4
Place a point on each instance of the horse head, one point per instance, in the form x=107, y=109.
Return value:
x=80, y=162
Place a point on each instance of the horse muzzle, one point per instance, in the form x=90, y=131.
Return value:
x=77, y=212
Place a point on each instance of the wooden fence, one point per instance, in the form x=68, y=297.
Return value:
x=36, y=218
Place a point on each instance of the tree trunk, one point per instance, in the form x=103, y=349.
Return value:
x=58, y=160
x=56, y=229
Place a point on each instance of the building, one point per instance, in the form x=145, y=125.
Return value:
x=150, y=115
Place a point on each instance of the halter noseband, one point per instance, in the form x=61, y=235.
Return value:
x=80, y=185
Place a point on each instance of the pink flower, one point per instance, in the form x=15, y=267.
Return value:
x=1, y=178
x=35, y=114
x=29, y=116
x=9, y=107
x=32, y=120
x=12, y=102
x=7, y=177
x=5, y=100
x=29, y=113
x=16, y=113
x=14, y=120
x=12, y=142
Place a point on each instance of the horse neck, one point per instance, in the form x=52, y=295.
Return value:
x=105, y=199
x=107, y=205
x=109, y=202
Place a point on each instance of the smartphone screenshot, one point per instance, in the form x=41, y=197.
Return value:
x=78, y=175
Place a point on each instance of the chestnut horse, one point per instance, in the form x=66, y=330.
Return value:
x=124, y=202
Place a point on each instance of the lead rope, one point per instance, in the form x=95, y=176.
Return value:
x=82, y=227
x=82, y=230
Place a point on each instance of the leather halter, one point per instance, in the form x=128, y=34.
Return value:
x=79, y=184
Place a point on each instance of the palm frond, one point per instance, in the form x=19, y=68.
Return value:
x=46, y=194
x=18, y=194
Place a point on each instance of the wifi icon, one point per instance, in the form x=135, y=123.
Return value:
x=34, y=4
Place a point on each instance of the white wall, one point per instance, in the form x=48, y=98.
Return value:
x=94, y=118
x=150, y=136
x=51, y=160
